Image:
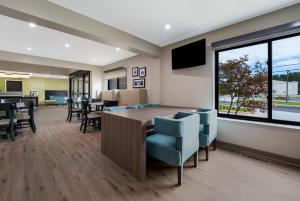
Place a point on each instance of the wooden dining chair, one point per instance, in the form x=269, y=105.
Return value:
x=6, y=120
x=89, y=118
x=25, y=120
x=72, y=110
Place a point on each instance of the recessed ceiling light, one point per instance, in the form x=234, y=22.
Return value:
x=167, y=26
x=31, y=24
x=118, y=49
x=94, y=60
x=67, y=45
x=29, y=48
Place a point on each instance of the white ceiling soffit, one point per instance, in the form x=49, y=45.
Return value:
x=17, y=36
x=14, y=74
x=187, y=18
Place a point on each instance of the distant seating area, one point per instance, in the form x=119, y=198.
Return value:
x=56, y=97
x=15, y=116
x=58, y=100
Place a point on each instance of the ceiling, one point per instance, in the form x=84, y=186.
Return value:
x=17, y=36
x=146, y=19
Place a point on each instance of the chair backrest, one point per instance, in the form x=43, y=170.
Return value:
x=85, y=107
x=7, y=110
x=70, y=103
x=208, y=121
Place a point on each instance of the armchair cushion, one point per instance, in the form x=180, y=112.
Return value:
x=163, y=147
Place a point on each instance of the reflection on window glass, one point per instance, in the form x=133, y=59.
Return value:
x=243, y=81
x=286, y=79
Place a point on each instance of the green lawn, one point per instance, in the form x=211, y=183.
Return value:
x=288, y=103
x=242, y=109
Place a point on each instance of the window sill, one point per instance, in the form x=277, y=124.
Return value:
x=261, y=123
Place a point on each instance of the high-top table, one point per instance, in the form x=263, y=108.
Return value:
x=123, y=136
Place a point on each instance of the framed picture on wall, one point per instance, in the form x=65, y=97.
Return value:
x=142, y=72
x=139, y=83
x=135, y=71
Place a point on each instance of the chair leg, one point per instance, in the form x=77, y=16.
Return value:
x=180, y=173
x=32, y=125
x=12, y=133
x=195, y=156
x=68, y=116
x=100, y=125
x=70, y=119
x=207, y=150
x=215, y=144
x=82, y=123
x=85, y=125
x=8, y=133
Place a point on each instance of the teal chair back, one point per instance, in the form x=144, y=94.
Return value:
x=207, y=128
x=208, y=125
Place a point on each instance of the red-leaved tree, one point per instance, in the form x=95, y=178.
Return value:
x=243, y=83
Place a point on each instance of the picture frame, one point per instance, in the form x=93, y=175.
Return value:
x=135, y=72
x=139, y=83
x=143, y=72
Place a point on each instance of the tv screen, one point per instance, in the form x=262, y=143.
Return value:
x=189, y=55
x=14, y=86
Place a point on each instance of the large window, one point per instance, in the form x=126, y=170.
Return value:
x=260, y=81
x=117, y=83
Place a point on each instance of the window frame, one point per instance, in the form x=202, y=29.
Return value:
x=269, y=118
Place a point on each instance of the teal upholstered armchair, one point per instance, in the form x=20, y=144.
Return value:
x=208, y=128
x=208, y=118
x=175, y=141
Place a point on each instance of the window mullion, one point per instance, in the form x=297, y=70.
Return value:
x=270, y=73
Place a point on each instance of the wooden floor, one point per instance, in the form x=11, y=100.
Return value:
x=60, y=163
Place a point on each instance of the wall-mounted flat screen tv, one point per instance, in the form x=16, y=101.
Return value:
x=189, y=55
x=14, y=86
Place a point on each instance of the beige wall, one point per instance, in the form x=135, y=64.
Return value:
x=195, y=87
x=152, y=79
